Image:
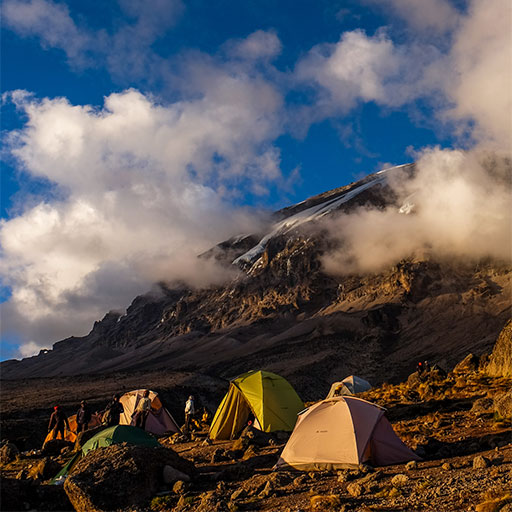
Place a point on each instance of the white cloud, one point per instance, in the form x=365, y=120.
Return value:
x=482, y=62
x=144, y=185
x=361, y=69
x=258, y=45
x=466, y=77
x=126, y=51
x=29, y=349
x=461, y=211
x=432, y=15
x=52, y=23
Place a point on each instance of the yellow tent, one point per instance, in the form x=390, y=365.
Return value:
x=269, y=397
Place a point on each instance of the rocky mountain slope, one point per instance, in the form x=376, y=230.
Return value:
x=284, y=313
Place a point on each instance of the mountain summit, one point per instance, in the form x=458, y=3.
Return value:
x=282, y=309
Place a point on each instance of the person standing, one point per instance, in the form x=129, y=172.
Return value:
x=58, y=422
x=114, y=410
x=83, y=417
x=190, y=410
x=142, y=410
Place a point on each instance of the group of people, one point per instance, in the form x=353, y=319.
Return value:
x=59, y=422
x=422, y=367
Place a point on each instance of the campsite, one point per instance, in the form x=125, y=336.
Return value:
x=452, y=448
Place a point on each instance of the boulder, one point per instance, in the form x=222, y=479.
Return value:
x=256, y=437
x=180, y=487
x=241, y=444
x=172, y=475
x=218, y=455
x=355, y=489
x=250, y=452
x=236, y=472
x=44, y=469
x=120, y=476
x=468, y=364
x=480, y=462
x=343, y=477
x=55, y=446
x=280, y=478
x=8, y=453
x=239, y=494
x=267, y=491
x=300, y=480
x=503, y=405
x=483, y=406
x=399, y=480
x=414, y=379
x=500, y=361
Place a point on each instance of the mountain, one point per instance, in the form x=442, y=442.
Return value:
x=284, y=313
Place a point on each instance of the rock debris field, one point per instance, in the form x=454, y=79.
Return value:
x=458, y=423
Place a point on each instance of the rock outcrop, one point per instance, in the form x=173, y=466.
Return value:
x=8, y=453
x=500, y=362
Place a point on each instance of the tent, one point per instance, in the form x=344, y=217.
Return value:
x=159, y=420
x=343, y=432
x=70, y=435
x=119, y=434
x=267, y=396
x=107, y=437
x=349, y=386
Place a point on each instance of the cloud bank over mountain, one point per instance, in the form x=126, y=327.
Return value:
x=146, y=182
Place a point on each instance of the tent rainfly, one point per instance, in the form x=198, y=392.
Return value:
x=159, y=420
x=349, y=386
x=269, y=397
x=343, y=432
x=70, y=435
x=108, y=437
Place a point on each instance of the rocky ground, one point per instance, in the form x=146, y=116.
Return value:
x=459, y=423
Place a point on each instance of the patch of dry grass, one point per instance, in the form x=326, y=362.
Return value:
x=494, y=501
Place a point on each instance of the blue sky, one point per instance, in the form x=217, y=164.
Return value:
x=326, y=159
x=169, y=120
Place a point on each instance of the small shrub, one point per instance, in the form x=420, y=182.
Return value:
x=163, y=503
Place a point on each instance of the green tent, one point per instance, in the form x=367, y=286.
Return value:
x=107, y=437
x=269, y=397
x=119, y=434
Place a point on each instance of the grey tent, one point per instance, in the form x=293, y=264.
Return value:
x=349, y=386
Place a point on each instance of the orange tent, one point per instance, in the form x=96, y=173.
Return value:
x=70, y=435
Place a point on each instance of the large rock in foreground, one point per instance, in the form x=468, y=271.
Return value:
x=500, y=362
x=120, y=476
